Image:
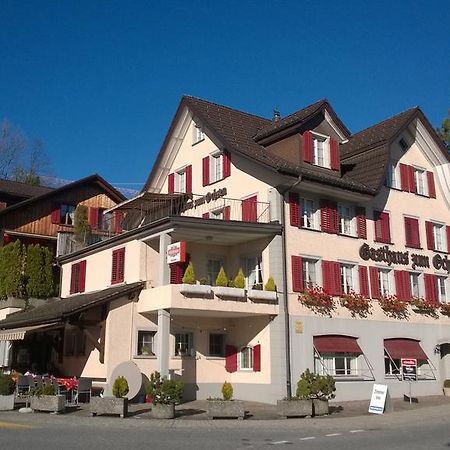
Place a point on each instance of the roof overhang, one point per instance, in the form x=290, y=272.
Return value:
x=18, y=334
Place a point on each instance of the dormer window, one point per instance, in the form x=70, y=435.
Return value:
x=198, y=134
x=321, y=150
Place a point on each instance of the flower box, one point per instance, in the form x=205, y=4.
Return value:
x=195, y=290
x=229, y=292
x=226, y=409
x=6, y=402
x=163, y=411
x=52, y=403
x=294, y=408
x=109, y=405
x=257, y=294
x=320, y=407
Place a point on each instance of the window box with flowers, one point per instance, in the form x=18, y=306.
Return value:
x=357, y=304
x=445, y=309
x=424, y=306
x=317, y=300
x=394, y=307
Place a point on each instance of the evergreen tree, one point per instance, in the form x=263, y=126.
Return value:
x=12, y=271
x=82, y=228
x=444, y=131
x=39, y=272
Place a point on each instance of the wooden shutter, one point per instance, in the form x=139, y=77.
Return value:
x=412, y=236
x=374, y=282
x=361, y=223
x=82, y=276
x=121, y=265
x=363, y=281
x=227, y=213
x=176, y=273
x=331, y=277
x=118, y=218
x=336, y=271
x=308, y=147
x=171, y=188
x=231, y=358
x=402, y=285
x=226, y=160
x=93, y=218
x=73, y=278
x=297, y=273
x=188, y=174
x=205, y=173
x=334, y=154
x=412, y=178
x=430, y=235
x=447, y=229
x=205, y=215
x=404, y=178
x=56, y=214
x=431, y=185
x=324, y=216
x=294, y=209
x=382, y=227
x=114, y=266
x=257, y=358
x=431, y=289
x=329, y=217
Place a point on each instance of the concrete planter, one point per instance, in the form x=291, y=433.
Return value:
x=320, y=407
x=6, y=402
x=294, y=408
x=222, y=408
x=52, y=403
x=109, y=405
x=447, y=392
x=266, y=296
x=160, y=411
x=195, y=290
x=229, y=292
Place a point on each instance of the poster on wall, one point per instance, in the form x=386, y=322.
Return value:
x=176, y=252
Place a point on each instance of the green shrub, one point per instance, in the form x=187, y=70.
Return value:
x=82, y=229
x=120, y=387
x=203, y=281
x=222, y=279
x=164, y=391
x=45, y=389
x=189, y=274
x=231, y=283
x=239, y=281
x=12, y=271
x=7, y=385
x=314, y=386
x=227, y=391
x=270, y=285
x=39, y=272
x=447, y=383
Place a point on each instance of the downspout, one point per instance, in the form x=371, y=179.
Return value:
x=285, y=288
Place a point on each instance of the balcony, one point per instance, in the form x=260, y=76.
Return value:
x=207, y=302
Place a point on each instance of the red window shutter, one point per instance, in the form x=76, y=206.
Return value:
x=404, y=178
x=334, y=215
x=327, y=277
x=431, y=291
x=56, y=214
x=324, y=216
x=249, y=209
x=329, y=216
x=205, y=163
x=382, y=227
x=307, y=147
x=363, y=281
x=297, y=273
x=336, y=271
x=294, y=209
x=114, y=266
x=399, y=284
x=176, y=273
x=431, y=185
x=374, y=282
x=82, y=277
x=121, y=265
x=205, y=215
x=257, y=358
x=412, y=179
x=334, y=154
x=407, y=286
x=118, y=219
x=386, y=227
x=361, y=223
x=188, y=174
x=171, y=188
x=93, y=218
x=227, y=213
x=73, y=278
x=412, y=237
x=230, y=358
x=447, y=228
x=226, y=164
x=430, y=235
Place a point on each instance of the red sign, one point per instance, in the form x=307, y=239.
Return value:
x=176, y=252
x=408, y=362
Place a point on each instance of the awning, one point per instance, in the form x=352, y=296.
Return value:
x=334, y=343
x=17, y=334
x=404, y=348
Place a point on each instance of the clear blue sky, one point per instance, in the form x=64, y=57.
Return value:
x=99, y=81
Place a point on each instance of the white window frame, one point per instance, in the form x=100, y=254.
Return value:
x=198, y=134
x=393, y=368
x=393, y=175
x=216, y=166
x=307, y=264
x=243, y=350
x=415, y=293
x=439, y=237
x=385, y=279
x=252, y=267
x=185, y=346
x=346, y=221
x=321, y=153
x=347, y=271
x=309, y=213
x=180, y=180
x=442, y=282
x=420, y=178
x=151, y=343
x=325, y=364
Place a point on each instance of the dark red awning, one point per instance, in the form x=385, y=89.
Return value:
x=333, y=343
x=404, y=348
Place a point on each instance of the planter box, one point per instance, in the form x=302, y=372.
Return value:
x=222, y=408
x=294, y=408
x=109, y=405
x=161, y=411
x=267, y=296
x=195, y=290
x=229, y=292
x=7, y=402
x=52, y=403
x=447, y=392
x=320, y=407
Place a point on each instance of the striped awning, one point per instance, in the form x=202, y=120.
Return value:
x=17, y=334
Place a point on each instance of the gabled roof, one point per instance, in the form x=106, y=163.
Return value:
x=22, y=190
x=92, y=179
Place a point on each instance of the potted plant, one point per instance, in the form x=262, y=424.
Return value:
x=317, y=300
x=445, y=309
x=165, y=394
x=7, y=388
x=223, y=289
x=394, y=307
x=268, y=294
x=112, y=405
x=357, y=304
x=146, y=350
x=190, y=287
x=447, y=388
x=43, y=398
x=226, y=406
x=425, y=307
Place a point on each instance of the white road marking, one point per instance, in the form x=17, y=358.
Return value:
x=281, y=442
x=357, y=431
x=307, y=438
x=333, y=434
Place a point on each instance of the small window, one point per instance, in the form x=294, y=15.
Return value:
x=309, y=272
x=346, y=220
x=217, y=345
x=252, y=268
x=180, y=181
x=439, y=237
x=246, y=358
x=414, y=282
x=421, y=183
x=309, y=213
x=67, y=214
x=347, y=279
x=442, y=289
x=198, y=134
x=393, y=175
x=104, y=220
x=146, y=343
x=321, y=150
x=184, y=344
x=385, y=282
x=216, y=167
x=403, y=144
x=391, y=366
x=213, y=269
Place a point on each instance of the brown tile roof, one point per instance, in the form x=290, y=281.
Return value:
x=59, y=310
x=22, y=190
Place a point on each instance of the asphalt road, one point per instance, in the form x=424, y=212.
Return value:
x=427, y=429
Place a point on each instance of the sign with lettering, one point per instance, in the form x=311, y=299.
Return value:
x=298, y=327
x=207, y=198
x=409, y=369
x=378, y=399
x=176, y=252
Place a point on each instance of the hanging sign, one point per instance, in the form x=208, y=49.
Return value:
x=378, y=399
x=409, y=369
x=176, y=252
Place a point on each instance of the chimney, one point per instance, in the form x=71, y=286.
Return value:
x=276, y=115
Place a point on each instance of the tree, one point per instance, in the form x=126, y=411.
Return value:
x=82, y=228
x=39, y=272
x=444, y=131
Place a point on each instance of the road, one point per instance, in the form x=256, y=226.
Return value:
x=427, y=429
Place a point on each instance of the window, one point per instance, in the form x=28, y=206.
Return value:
x=216, y=167
x=438, y=236
x=198, y=134
x=246, y=358
x=309, y=267
x=308, y=211
x=146, y=343
x=420, y=179
x=391, y=366
x=403, y=144
x=393, y=176
x=78, y=277
x=213, y=269
x=337, y=364
x=347, y=281
x=252, y=268
x=118, y=266
x=345, y=213
x=67, y=214
x=414, y=282
x=442, y=289
x=382, y=227
x=385, y=282
x=217, y=345
x=180, y=181
x=184, y=344
x=320, y=150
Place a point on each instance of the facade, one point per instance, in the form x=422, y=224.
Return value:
x=299, y=199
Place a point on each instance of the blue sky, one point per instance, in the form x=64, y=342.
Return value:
x=99, y=81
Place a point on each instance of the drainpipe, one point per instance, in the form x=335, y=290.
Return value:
x=285, y=289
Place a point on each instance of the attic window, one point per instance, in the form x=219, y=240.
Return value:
x=321, y=150
x=198, y=134
x=403, y=144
